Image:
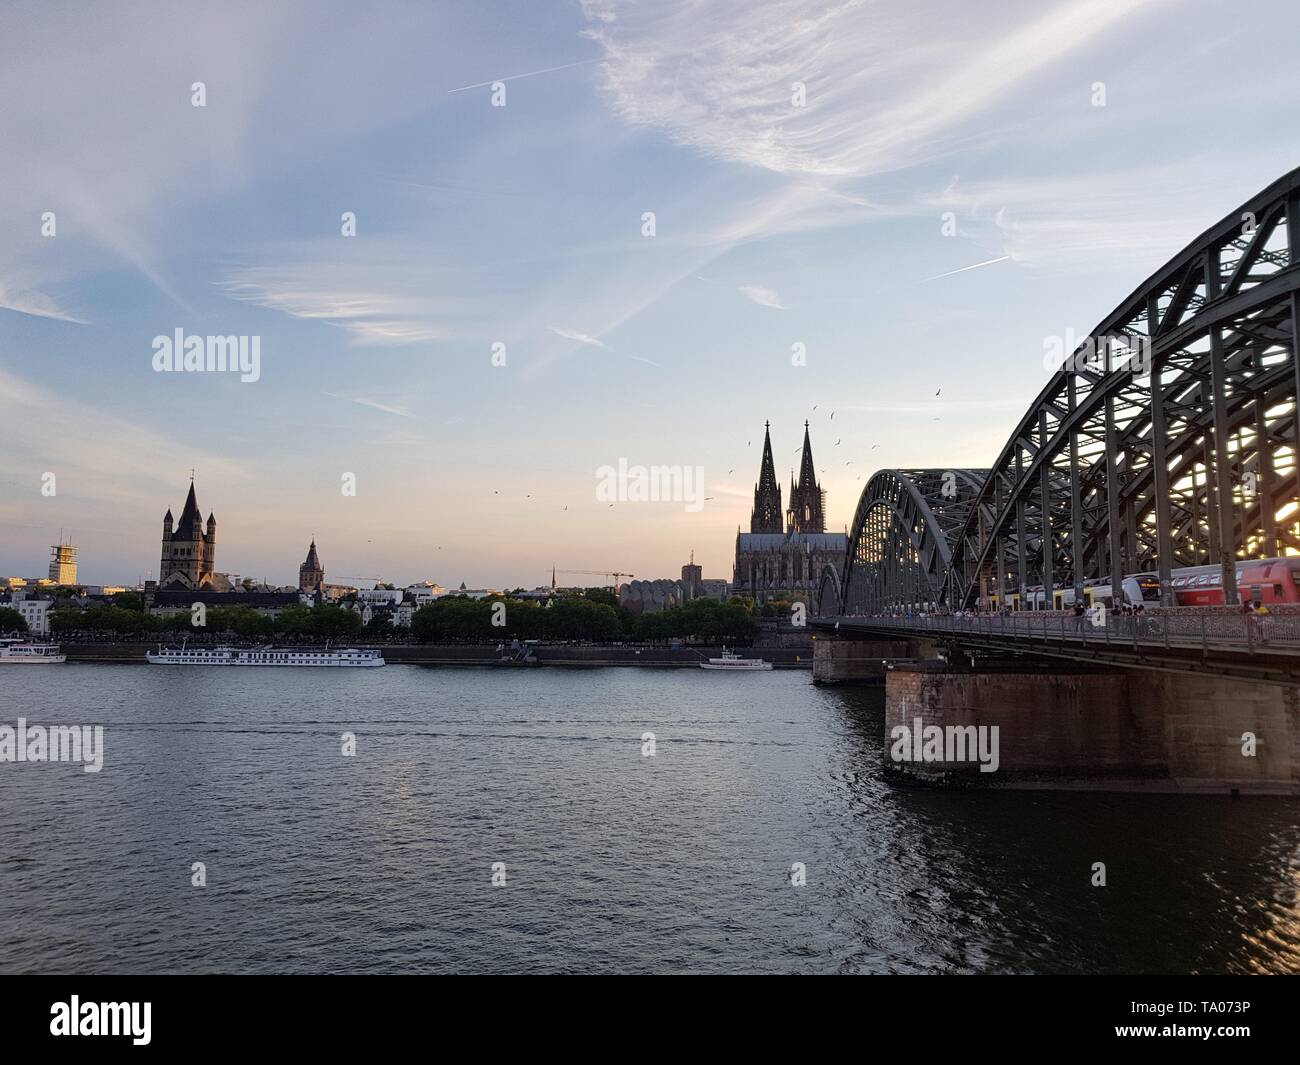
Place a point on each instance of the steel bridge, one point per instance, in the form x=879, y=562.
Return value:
x=1167, y=438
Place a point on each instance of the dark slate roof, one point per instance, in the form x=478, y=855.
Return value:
x=191, y=524
x=809, y=541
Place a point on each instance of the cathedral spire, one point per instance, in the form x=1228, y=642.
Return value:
x=807, y=500
x=766, y=516
x=807, y=475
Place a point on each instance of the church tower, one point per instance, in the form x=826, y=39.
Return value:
x=311, y=574
x=189, y=553
x=807, y=499
x=766, y=515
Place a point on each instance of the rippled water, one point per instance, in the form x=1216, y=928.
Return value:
x=614, y=861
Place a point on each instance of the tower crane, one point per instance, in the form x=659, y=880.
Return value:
x=373, y=580
x=600, y=573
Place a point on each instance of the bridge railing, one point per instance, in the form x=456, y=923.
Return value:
x=1248, y=632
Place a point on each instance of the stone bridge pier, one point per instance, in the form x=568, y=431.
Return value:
x=1026, y=722
x=844, y=660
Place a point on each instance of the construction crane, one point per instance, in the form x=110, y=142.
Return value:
x=373, y=580
x=599, y=573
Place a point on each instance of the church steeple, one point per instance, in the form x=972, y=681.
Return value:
x=766, y=516
x=807, y=499
x=311, y=574
x=189, y=556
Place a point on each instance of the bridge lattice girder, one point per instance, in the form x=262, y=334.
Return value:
x=1168, y=438
x=902, y=536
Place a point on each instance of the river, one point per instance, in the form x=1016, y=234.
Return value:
x=607, y=858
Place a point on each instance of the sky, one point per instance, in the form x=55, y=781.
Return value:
x=868, y=214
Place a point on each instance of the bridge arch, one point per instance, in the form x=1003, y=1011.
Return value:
x=1167, y=437
x=828, y=592
x=900, y=542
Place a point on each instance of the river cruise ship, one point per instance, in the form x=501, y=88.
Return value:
x=347, y=657
x=29, y=653
x=733, y=661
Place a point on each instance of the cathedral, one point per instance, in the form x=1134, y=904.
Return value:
x=783, y=554
x=189, y=550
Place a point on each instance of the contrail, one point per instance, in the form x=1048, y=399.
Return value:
x=530, y=74
x=976, y=266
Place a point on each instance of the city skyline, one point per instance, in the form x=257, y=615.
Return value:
x=777, y=223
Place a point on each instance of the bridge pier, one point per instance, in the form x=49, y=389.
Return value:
x=843, y=660
x=1079, y=727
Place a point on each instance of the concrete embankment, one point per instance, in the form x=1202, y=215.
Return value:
x=588, y=657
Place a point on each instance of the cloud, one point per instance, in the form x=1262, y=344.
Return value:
x=888, y=84
x=581, y=338
x=34, y=303
x=596, y=342
x=1138, y=215
x=763, y=296
x=381, y=292
x=374, y=403
x=92, y=449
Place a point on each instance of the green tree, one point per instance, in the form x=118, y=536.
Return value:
x=332, y=621
x=380, y=624
x=63, y=620
x=129, y=601
x=11, y=620
x=293, y=620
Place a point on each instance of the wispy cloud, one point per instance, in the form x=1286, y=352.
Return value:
x=883, y=88
x=528, y=74
x=596, y=342
x=762, y=295
x=387, y=408
x=34, y=303
x=581, y=338
x=84, y=466
x=380, y=293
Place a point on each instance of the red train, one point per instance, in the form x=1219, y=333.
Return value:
x=1270, y=580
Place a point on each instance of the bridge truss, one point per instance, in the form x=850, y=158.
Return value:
x=1167, y=438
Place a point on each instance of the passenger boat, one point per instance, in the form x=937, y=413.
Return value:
x=25, y=652
x=347, y=657
x=733, y=661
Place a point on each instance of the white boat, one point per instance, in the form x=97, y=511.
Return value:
x=25, y=652
x=347, y=657
x=733, y=661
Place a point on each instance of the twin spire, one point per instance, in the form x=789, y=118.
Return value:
x=807, y=498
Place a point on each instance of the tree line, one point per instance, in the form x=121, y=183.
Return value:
x=594, y=616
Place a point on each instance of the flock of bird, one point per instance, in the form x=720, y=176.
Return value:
x=750, y=443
